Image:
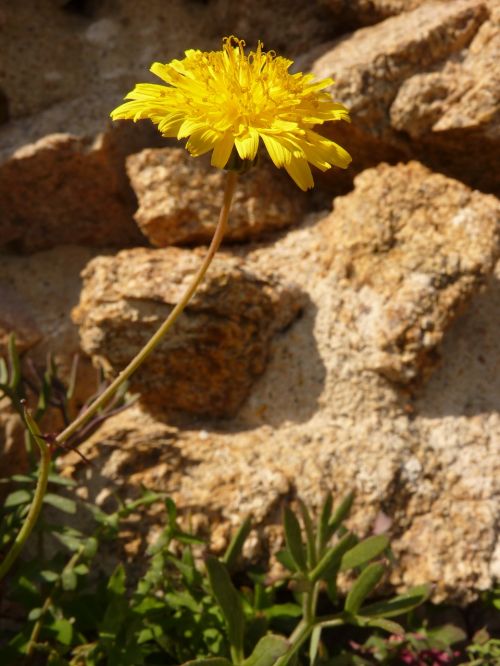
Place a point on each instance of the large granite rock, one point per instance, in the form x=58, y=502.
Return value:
x=320, y=419
x=421, y=84
x=415, y=246
x=180, y=198
x=63, y=180
x=211, y=358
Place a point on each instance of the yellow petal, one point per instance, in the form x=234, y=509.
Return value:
x=278, y=153
x=201, y=141
x=222, y=150
x=299, y=170
x=248, y=144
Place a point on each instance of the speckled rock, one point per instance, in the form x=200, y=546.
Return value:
x=180, y=198
x=209, y=361
x=415, y=246
x=63, y=180
x=318, y=420
x=37, y=309
x=366, y=12
x=448, y=117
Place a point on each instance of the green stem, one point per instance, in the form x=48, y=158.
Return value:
x=48, y=602
x=167, y=324
x=34, y=510
x=36, y=505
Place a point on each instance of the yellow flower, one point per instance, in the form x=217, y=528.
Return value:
x=225, y=99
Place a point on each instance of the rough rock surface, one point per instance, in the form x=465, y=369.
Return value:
x=37, y=309
x=452, y=120
x=63, y=180
x=366, y=12
x=414, y=246
x=213, y=354
x=180, y=198
x=319, y=420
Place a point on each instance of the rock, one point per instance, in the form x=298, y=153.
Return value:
x=38, y=293
x=83, y=47
x=63, y=180
x=367, y=12
x=180, y=198
x=209, y=361
x=375, y=66
x=415, y=246
x=317, y=420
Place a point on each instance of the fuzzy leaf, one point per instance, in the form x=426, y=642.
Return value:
x=236, y=546
x=332, y=558
x=400, y=604
x=267, y=651
x=340, y=514
x=293, y=535
x=229, y=601
x=366, y=583
x=365, y=551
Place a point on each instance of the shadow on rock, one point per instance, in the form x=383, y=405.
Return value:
x=467, y=382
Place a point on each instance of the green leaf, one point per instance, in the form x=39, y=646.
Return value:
x=235, y=547
x=267, y=651
x=64, y=504
x=324, y=533
x=14, y=362
x=314, y=644
x=282, y=610
x=63, y=630
x=69, y=580
x=34, y=614
x=332, y=558
x=4, y=373
x=366, y=583
x=399, y=605
x=213, y=661
x=387, y=625
x=340, y=514
x=310, y=540
x=229, y=601
x=447, y=634
x=116, y=582
x=284, y=557
x=18, y=497
x=90, y=548
x=293, y=536
x=365, y=551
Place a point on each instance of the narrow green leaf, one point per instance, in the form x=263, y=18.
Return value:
x=14, y=362
x=310, y=537
x=363, y=586
x=267, y=651
x=284, y=557
x=236, y=546
x=332, y=558
x=387, y=625
x=34, y=614
x=62, y=503
x=314, y=644
x=229, y=601
x=324, y=533
x=4, y=373
x=340, y=514
x=116, y=582
x=365, y=551
x=399, y=605
x=209, y=661
x=293, y=536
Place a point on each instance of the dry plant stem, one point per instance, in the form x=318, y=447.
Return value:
x=167, y=324
x=36, y=505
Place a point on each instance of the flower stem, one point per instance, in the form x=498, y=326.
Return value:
x=167, y=324
x=36, y=505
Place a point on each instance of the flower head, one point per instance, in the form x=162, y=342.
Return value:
x=221, y=100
